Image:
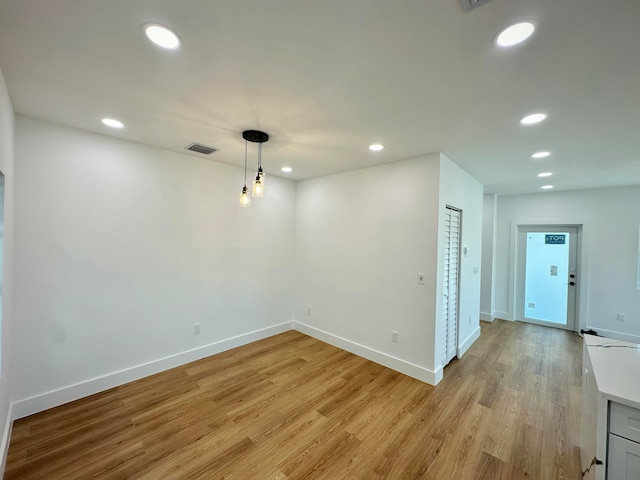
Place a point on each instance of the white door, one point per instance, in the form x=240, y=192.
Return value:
x=548, y=275
x=624, y=459
x=449, y=340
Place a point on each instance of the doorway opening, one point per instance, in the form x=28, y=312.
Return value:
x=547, y=275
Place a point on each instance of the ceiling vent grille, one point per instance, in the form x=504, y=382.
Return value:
x=470, y=4
x=200, y=148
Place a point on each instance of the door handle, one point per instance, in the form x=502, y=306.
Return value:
x=570, y=283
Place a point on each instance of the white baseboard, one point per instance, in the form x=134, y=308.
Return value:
x=438, y=375
x=616, y=335
x=487, y=317
x=503, y=316
x=38, y=403
x=402, y=366
x=464, y=346
x=6, y=438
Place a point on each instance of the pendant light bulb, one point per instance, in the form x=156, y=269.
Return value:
x=258, y=184
x=258, y=187
x=245, y=199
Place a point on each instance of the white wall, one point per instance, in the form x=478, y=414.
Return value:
x=460, y=190
x=609, y=257
x=362, y=238
x=121, y=248
x=7, y=168
x=489, y=213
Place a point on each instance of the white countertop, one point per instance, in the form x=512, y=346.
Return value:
x=616, y=366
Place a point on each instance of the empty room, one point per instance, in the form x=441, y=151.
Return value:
x=319, y=240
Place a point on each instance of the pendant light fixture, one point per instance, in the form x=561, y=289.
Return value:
x=255, y=136
x=245, y=199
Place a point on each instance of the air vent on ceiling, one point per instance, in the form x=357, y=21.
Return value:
x=469, y=4
x=200, y=148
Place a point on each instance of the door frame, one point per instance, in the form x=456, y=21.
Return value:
x=584, y=235
x=572, y=297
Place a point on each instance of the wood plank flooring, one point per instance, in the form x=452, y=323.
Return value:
x=291, y=407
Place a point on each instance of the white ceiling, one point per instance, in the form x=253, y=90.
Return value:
x=326, y=78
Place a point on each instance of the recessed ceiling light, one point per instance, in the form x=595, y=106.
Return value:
x=286, y=169
x=162, y=36
x=112, y=122
x=515, y=34
x=533, y=118
x=545, y=174
x=376, y=147
x=541, y=155
x=546, y=187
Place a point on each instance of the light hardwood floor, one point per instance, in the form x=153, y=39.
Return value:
x=291, y=407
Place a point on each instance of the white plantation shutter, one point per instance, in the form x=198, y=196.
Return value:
x=449, y=340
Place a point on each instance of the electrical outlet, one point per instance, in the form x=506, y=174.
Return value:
x=395, y=337
x=469, y=319
x=621, y=317
x=308, y=310
x=196, y=328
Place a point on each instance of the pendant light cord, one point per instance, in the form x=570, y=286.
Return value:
x=259, y=156
x=245, y=163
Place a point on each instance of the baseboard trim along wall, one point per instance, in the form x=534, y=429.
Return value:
x=54, y=398
x=402, y=366
x=503, y=316
x=38, y=403
x=487, y=317
x=464, y=346
x=617, y=335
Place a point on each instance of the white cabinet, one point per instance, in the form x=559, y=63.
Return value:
x=623, y=461
x=610, y=427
